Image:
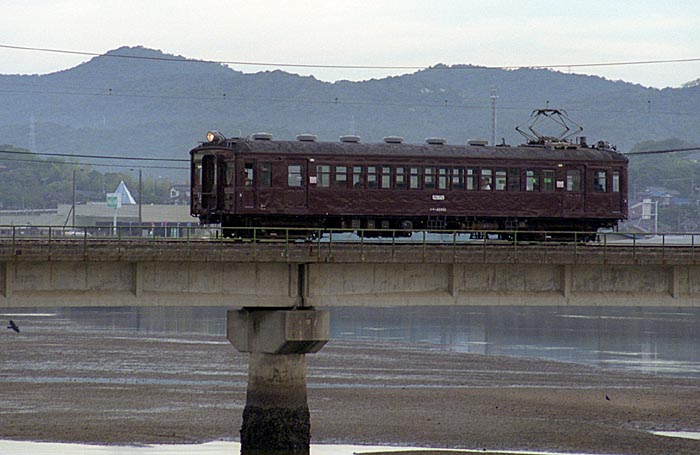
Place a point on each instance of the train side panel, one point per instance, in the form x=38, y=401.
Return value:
x=283, y=183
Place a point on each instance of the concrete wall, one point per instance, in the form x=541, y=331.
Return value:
x=114, y=282
x=503, y=284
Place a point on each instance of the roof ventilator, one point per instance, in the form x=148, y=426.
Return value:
x=350, y=138
x=393, y=139
x=307, y=137
x=478, y=143
x=262, y=137
x=435, y=141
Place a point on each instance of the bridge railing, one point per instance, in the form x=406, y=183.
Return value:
x=299, y=244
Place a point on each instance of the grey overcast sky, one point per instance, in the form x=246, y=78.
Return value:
x=366, y=32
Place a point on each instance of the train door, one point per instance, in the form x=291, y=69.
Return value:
x=246, y=185
x=208, y=182
x=228, y=189
x=618, y=201
x=573, y=180
x=598, y=192
x=296, y=192
x=266, y=194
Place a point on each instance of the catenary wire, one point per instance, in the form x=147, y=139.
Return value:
x=441, y=67
x=335, y=101
x=312, y=65
x=79, y=163
x=101, y=157
x=659, y=152
x=111, y=157
x=446, y=104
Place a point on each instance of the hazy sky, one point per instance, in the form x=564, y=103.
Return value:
x=366, y=32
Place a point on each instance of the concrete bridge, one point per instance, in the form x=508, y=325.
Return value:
x=278, y=285
x=44, y=272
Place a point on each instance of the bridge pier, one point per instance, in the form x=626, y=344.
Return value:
x=276, y=419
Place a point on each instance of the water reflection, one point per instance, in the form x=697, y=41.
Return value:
x=653, y=340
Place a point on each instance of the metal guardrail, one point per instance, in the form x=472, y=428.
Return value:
x=325, y=243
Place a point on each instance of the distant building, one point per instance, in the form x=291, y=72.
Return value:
x=659, y=194
x=163, y=220
x=180, y=194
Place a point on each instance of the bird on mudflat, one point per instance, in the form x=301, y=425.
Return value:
x=13, y=326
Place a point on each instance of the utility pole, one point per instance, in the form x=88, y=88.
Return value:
x=73, y=208
x=140, y=198
x=493, y=97
x=656, y=217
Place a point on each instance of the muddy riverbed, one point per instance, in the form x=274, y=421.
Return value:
x=121, y=387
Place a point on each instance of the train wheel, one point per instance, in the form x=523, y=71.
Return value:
x=228, y=233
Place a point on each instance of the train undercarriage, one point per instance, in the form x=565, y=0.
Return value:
x=311, y=227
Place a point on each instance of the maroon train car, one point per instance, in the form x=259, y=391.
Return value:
x=350, y=185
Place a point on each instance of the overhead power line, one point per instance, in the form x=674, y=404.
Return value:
x=224, y=97
x=343, y=66
x=100, y=157
x=184, y=160
x=660, y=152
x=82, y=163
x=79, y=163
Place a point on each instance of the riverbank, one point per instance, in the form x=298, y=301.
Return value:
x=126, y=388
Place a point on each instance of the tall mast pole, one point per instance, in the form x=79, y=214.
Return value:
x=493, y=97
x=73, y=207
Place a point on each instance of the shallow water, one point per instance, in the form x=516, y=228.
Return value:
x=679, y=434
x=649, y=340
x=653, y=340
x=211, y=448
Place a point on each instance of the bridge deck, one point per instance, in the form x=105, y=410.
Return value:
x=489, y=252
x=119, y=272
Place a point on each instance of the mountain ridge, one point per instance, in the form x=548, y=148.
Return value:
x=146, y=102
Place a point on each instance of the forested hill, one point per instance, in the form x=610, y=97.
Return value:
x=152, y=107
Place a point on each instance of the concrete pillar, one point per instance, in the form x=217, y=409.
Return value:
x=276, y=419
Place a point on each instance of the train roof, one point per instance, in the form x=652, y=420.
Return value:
x=568, y=152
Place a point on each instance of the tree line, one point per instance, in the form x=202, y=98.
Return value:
x=34, y=182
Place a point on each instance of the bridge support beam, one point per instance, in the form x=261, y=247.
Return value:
x=276, y=419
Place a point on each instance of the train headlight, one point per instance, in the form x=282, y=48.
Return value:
x=215, y=137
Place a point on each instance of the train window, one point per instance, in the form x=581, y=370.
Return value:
x=500, y=179
x=400, y=178
x=471, y=179
x=248, y=174
x=341, y=177
x=548, y=180
x=532, y=182
x=443, y=178
x=358, y=180
x=323, y=176
x=513, y=179
x=197, y=171
x=616, y=182
x=458, y=178
x=600, y=179
x=266, y=174
x=386, y=177
x=294, y=175
x=428, y=178
x=414, y=180
x=486, y=180
x=573, y=180
x=371, y=177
